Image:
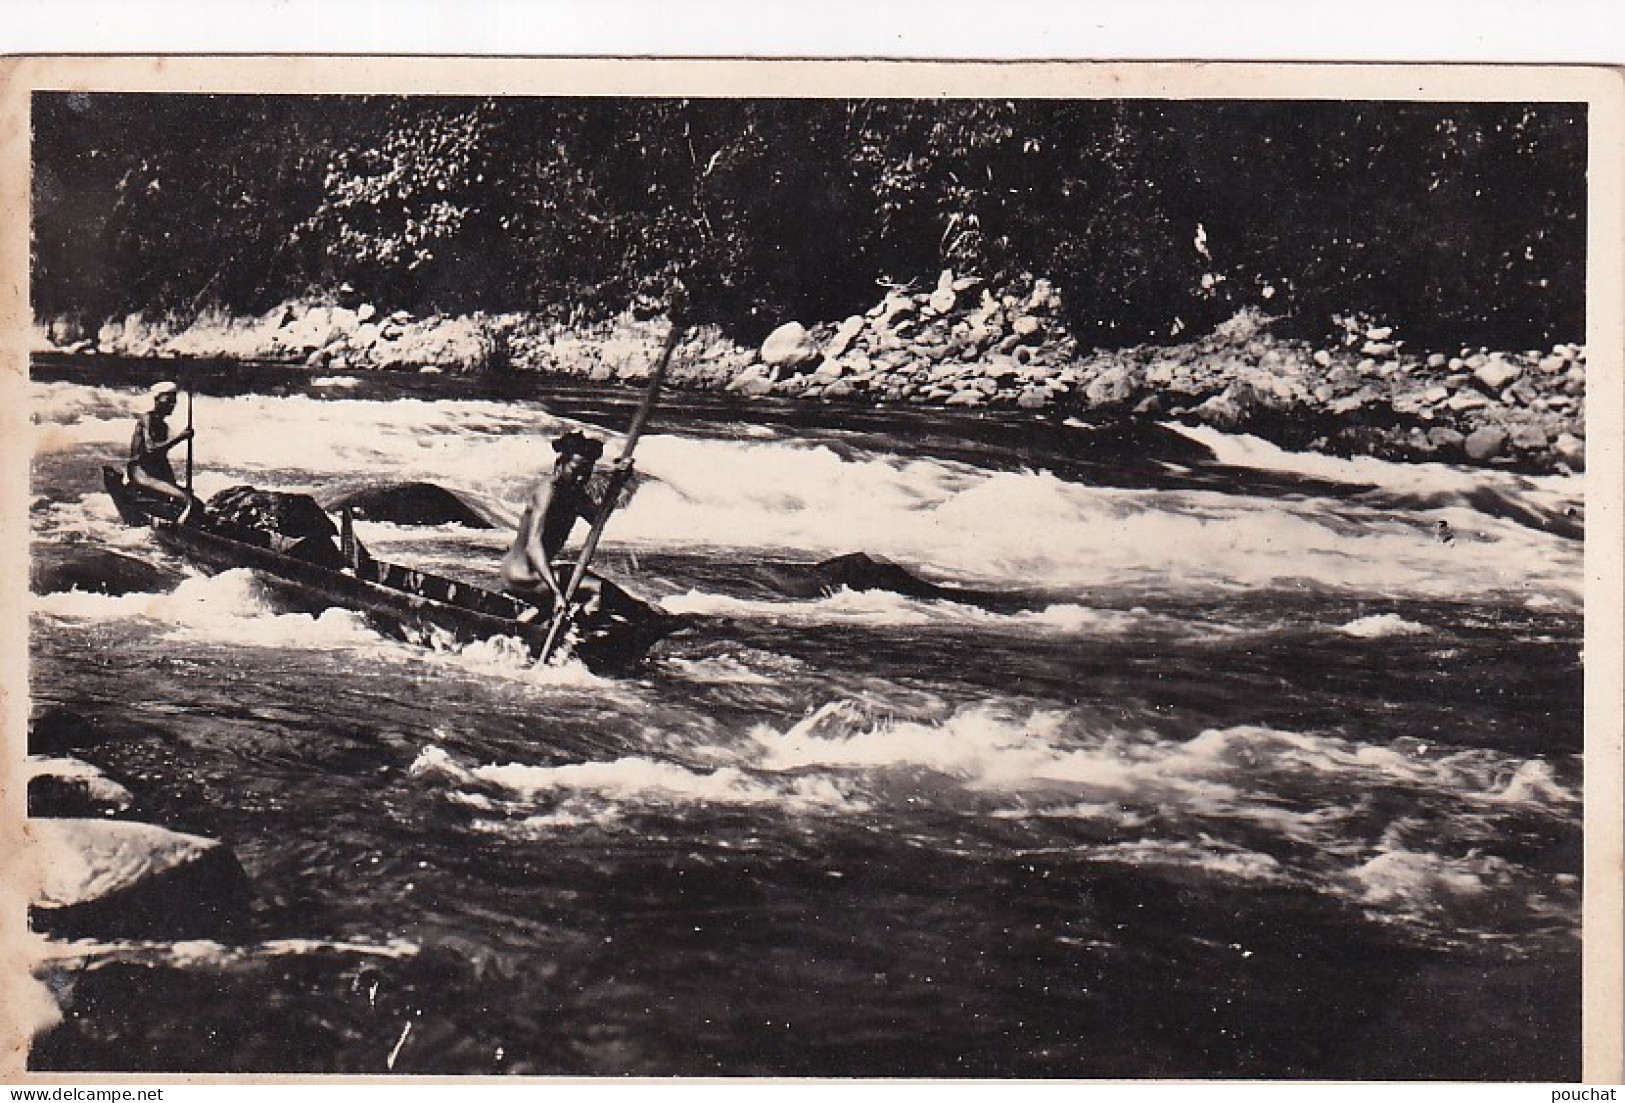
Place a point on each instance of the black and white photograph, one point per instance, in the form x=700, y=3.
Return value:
x=993, y=573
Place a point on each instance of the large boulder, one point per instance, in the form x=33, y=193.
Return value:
x=1495, y=373
x=1223, y=411
x=1027, y=329
x=114, y=879
x=845, y=334
x=411, y=503
x=1113, y=387
x=57, y=731
x=753, y=382
x=1442, y=438
x=1485, y=443
x=69, y=787
x=1571, y=450
x=789, y=346
x=1530, y=437
x=896, y=304
x=828, y=372
x=54, y=569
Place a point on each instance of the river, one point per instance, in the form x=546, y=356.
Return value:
x=1260, y=765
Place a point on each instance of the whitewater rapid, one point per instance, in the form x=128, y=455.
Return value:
x=797, y=497
x=1289, y=727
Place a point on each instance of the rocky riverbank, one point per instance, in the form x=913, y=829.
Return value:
x=102, y=872
x=964, y=346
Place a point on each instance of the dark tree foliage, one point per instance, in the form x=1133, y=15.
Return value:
x=1457, y=223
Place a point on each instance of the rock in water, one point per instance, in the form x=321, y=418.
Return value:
x=410, y=504
x=861, y=571
x=112, y=879
x=56, y=731
x=69, y=787
x=54, y=570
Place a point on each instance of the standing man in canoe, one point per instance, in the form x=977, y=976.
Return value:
x=551, y=513
x=149, y=467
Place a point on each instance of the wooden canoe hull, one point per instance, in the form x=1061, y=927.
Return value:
x=614, y=634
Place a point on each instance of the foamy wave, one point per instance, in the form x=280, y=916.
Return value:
x=981, y=745
x=198, y=602
x=233, y=608
x=91, y=518
x=501, y=657
x=1219, y=771
x=633, y=782
x=1209, y=856
x=989, y=528
x=996, y=757
x=230, y=607
x=956, y=521
x=1229, y=803
x=1475, y=776
x=245, y=436
x=32, y=1007
x=721, y=670
x=1244, y=450
x=872, y=607
x=1534, y=782
x=72, y=403
x=1217, y=795
x=1070, y=617
x=883, y=608
x=551, y=823
x=1427, y=882
x=1110, y=813
x=1382, y=626
x=211, y=955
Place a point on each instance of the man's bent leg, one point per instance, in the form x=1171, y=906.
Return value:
x=154, y=485
x=538, y=597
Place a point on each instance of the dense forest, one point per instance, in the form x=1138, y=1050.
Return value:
x=1454, y=223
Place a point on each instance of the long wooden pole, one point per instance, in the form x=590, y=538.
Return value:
x=563, y=614
x=188, y=443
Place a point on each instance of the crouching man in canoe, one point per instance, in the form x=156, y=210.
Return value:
x=149, y=467
x=551, y=513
